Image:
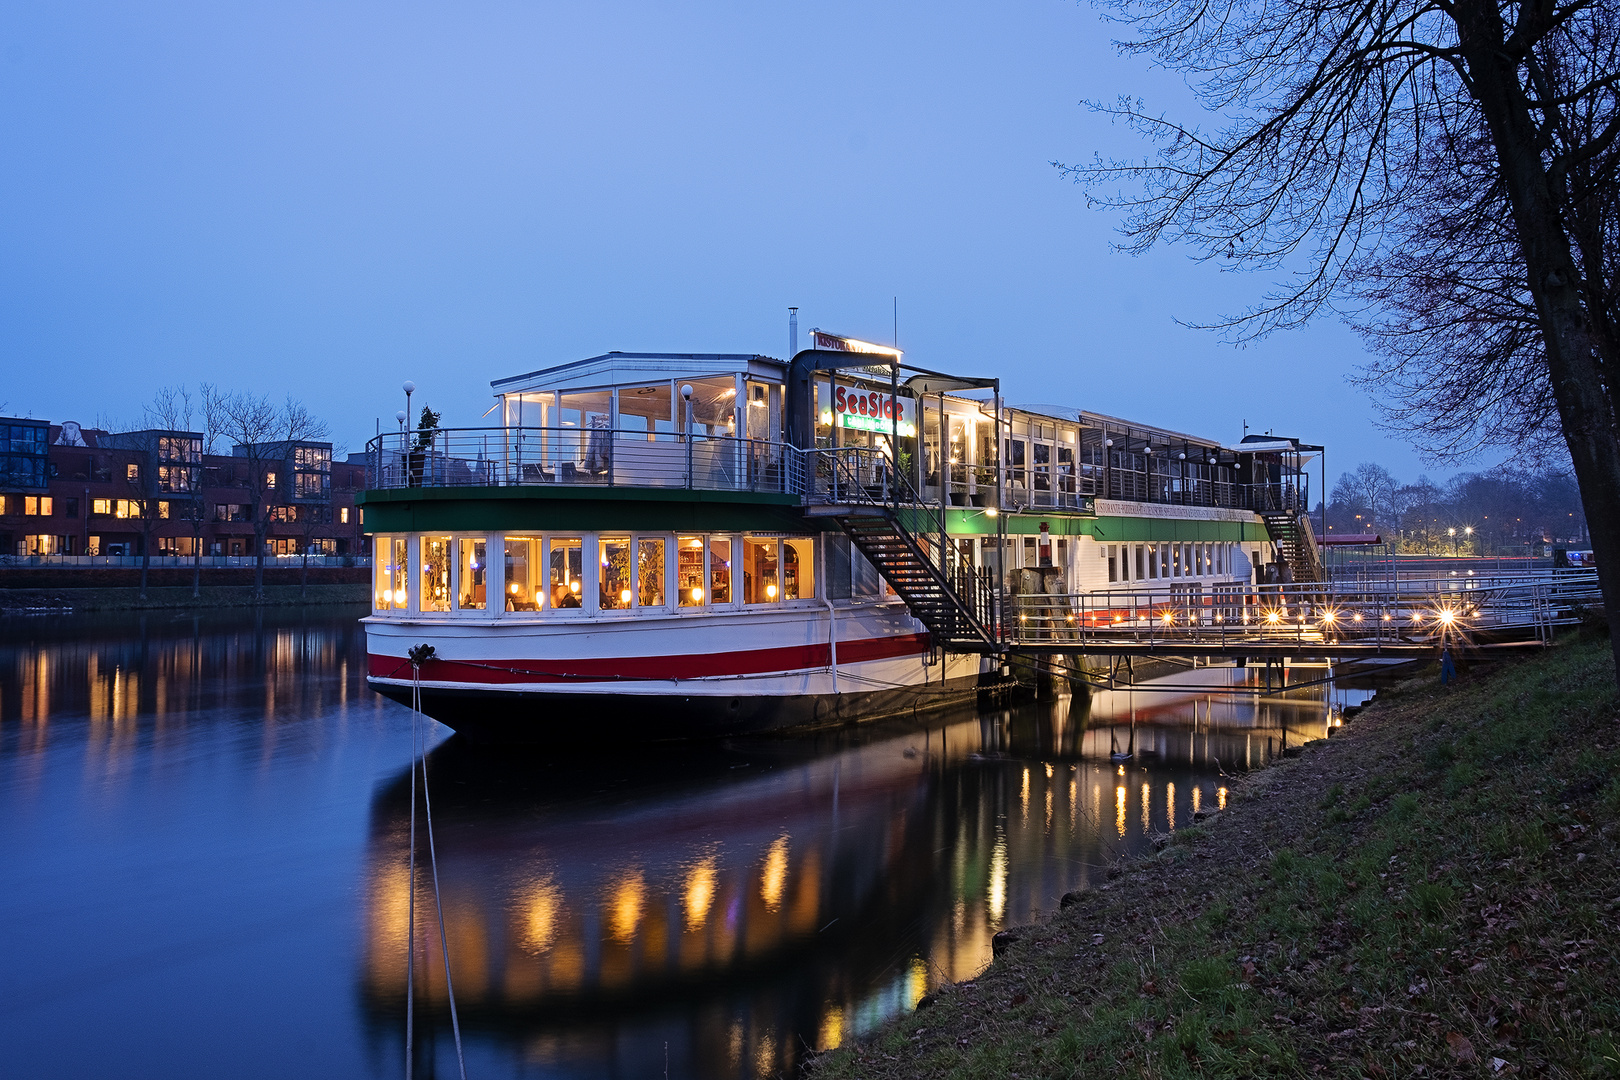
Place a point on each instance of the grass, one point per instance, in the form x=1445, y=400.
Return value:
x=1432, y=893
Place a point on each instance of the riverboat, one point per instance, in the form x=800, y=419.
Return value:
x=658, y=546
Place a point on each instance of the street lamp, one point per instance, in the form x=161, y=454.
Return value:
x=410, y=388
x=1453, y=534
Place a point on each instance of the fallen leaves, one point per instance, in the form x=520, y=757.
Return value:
x=1461, y=1048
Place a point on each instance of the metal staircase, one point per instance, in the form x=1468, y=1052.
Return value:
x=1296, y=542
x=958, y=603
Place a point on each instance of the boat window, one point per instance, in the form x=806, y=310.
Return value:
x=1153, y=560
x=435, y=574
x=613, y=569
x=719, y=570
x=689, y=570
x=799, y=569
x=1015, y=461
x=565, y=572
x=1043, y=466
x=650, y=572
x=764, y=411
x=473, y=568
x=1113, y=564
x=523, y=591
x=582, y=443
x=391, y=581
x=646, y=408
x=714, y=406
x=761, y=570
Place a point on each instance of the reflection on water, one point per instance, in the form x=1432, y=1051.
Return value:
x=204, y=846
x=740, y=905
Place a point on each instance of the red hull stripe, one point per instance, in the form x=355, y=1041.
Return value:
x=688, y=666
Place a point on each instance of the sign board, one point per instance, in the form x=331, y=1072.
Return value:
x=861, y=409
x=838, y=343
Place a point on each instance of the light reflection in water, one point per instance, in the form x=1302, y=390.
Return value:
x=599, y=908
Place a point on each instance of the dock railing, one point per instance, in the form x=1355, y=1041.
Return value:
x=588, y=457
x=1515, y=605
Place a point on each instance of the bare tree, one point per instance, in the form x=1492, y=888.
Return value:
x=311, y=518
x=171, y=410
x=1370, y=487
x=1345, y=131
x=261, y=435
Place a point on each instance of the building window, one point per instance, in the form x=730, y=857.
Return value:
x=37, y=506
x=163, y=508
x=70, y=507
x=270, y=480
x=132, y=472
x=101, y=506
x=343, y=515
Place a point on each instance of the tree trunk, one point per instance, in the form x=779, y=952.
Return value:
x=1573, y=366
x=260, y=528
x=146, y=550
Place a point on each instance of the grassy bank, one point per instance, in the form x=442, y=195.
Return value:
x=1433, y=892
x=178, y=597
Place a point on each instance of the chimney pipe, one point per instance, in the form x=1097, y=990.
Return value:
x=793, y=332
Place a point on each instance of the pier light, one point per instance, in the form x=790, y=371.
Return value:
x=1447, y=616
x=1387, y=616
x=1273, y=617
x=1356, y=616
x=990, y=511
x=1169, y=616
x=1328, y=616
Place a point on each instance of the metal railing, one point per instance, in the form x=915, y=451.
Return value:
x=1513, y=605
x=862, y=476
x=180, y=561
x=590, y=457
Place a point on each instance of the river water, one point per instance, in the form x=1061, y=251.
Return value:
x=204, y=842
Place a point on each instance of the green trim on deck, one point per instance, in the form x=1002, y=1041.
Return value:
x=579, y=509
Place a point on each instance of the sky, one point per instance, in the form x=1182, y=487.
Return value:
x=326, y=199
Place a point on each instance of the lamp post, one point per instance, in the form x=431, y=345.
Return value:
x=686, y=395
x=1453, y=534
x=410, y=388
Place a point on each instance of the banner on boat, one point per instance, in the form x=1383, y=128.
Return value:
x=860, y=408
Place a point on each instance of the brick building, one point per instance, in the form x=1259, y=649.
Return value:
x=67, y=490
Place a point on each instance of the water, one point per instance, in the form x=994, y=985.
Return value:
x=203, y=862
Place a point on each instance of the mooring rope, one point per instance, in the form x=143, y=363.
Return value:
x=420, y=655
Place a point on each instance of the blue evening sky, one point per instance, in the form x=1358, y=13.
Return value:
x=329, y=198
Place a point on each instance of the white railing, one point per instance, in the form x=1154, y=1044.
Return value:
x=1517, y=605
x=589, y=457
x=183, y=562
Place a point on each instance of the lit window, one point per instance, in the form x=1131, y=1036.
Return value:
x=101, y=506
x=132, y=471
x=343, y=515
x=269, y=479
x=37, y=505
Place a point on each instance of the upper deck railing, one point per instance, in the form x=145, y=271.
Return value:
x=587, y=457
x=637, y=458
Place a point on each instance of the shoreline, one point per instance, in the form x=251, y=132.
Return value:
x=30, y=603
x=1423, y=894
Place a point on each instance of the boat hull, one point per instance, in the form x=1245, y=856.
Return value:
x=615, y=680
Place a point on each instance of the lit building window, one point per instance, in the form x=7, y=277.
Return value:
x=343, y=515
x=132, y=472
x=101, y=506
